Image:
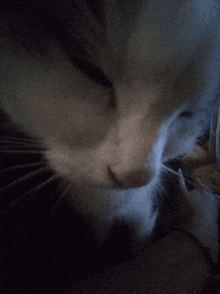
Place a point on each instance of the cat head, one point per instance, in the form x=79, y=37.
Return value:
x=112, y=95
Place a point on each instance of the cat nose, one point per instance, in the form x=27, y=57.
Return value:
x=133, y=180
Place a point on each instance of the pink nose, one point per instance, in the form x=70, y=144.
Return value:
x=134, y=180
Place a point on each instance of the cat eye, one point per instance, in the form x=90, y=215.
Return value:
x=93, y=72
x=186, y=114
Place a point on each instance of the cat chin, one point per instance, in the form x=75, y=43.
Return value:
x=103, y=207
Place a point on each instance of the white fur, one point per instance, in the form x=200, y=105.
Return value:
x=162, y=58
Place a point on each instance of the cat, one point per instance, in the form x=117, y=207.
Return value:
x=124, y=93
x=111, y=90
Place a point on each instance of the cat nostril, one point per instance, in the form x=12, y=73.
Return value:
x=134, y=179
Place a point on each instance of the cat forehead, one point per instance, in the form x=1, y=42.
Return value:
x=151, y=39
x=123, y=38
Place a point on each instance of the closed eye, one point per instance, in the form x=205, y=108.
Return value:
x=186, y=114
x=93, y=72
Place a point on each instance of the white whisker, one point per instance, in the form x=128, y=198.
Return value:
x=29, y=175
x=12, y=168
x=17, y=139
x=22, y=151
x=34, y=190
x=26, y=144
x=170, y=170
x=175, y=173
x=62, y=196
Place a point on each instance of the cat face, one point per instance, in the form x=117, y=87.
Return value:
x=162, y=74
